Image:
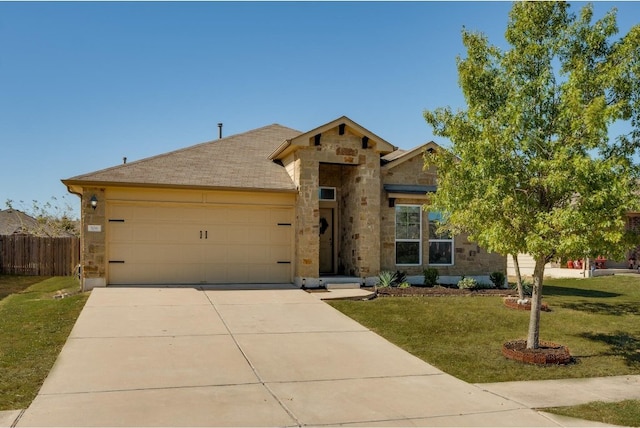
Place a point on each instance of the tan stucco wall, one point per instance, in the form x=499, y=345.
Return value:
x=469, y=258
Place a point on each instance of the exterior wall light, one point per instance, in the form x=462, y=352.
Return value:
x=94, y=202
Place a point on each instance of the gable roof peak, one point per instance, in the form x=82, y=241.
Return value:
x=381, y=145
x=400, y=156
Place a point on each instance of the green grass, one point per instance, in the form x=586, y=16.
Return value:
x=624, y=413
x=33, y=328
x=598, y=319
x=10, y=284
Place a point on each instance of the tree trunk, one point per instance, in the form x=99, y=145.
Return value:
x=533, y=338
x=516, y=266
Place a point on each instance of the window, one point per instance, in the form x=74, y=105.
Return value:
x=440, y=244
x=327, y=194
x=408, y=235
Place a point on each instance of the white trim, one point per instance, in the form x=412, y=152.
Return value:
x=321, y=188
x=396, y=240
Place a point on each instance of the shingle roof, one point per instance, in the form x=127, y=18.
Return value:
x=14, y=221
x=238, y=161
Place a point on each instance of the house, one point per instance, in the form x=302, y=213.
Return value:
x=271, y=205
x=15, y=222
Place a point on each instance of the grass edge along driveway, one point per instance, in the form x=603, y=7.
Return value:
x=597, y=318
x=33, y=329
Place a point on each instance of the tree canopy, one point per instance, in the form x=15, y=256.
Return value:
x=532, y=167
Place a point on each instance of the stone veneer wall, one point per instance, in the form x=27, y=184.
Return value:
x=307, y=242
x=469, y=258
x=359, y=205
x=93, y=244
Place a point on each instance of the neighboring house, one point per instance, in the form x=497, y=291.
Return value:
x=15, y=222
x=272, y=205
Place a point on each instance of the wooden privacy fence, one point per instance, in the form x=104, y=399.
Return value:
x=33, y=255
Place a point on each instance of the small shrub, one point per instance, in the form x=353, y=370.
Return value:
x=467, y=283
x=527, y=288
x=484, y=286
x=430, y=277
x=497, y=278
x=386, y=279
x=404, y=285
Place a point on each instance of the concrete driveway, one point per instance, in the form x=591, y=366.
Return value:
x=270, y=357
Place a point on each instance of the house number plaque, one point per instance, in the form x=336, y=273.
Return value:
x=94, y=228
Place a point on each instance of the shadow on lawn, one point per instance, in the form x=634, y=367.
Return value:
x=552, y=290
x=617, y=309
x=622, y=345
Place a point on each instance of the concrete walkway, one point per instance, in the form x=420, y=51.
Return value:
x=187, y=357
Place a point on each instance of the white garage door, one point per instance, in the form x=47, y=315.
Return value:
x=182, y=244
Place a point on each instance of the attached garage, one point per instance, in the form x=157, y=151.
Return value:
x=220, y=212
x=165, y=243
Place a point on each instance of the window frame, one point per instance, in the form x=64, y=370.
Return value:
x=449, y=240
x=396, y=239
x=321, y=188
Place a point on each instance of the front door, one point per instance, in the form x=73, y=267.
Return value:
x=326, y=241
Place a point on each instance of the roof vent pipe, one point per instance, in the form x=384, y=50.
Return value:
x=219, y=130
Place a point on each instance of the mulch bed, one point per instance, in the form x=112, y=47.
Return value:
x=547, y=353
x=439, y=291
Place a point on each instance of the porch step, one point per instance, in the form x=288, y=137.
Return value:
x=342, y=285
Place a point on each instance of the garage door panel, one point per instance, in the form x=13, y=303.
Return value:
x=145, y=214
x=216, y=273
x=241, y=215
x=280, y=216
x=215, y=253
x=258, y=255
x=146, y=233
x=258, y=234
x=121, y=211
x=217, y=234
x=280, y=272
x=238, y=235
x=179, y=233
x=280, y=253
x=120, y=232
x=280, y=236
x=161, y=244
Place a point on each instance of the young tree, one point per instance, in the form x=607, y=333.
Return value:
x=53, y=218
x=532, y=168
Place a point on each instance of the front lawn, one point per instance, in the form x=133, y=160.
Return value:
x=10, y=284
x=598, y=319
x=624, y=413
x=34, y=327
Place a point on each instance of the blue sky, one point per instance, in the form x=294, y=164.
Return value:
x=84, y=84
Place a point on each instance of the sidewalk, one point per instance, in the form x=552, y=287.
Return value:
x=567, y=392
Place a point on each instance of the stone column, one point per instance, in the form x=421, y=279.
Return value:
x=367, y=223
x=307, y=218
x=93, y=239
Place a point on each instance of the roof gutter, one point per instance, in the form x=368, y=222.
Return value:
x=69, y=183
x=281, y=148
